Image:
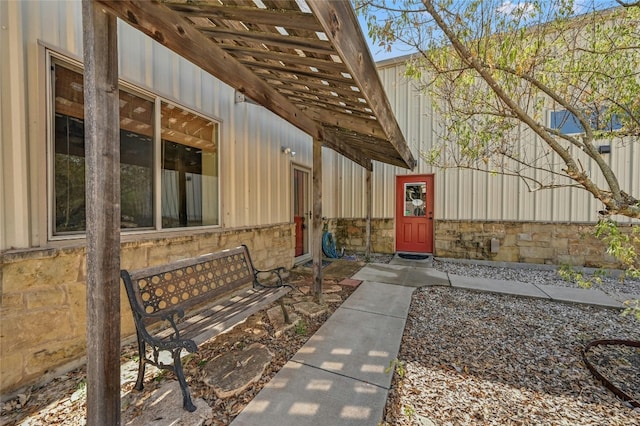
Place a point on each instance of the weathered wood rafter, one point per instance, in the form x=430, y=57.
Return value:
x=306, y=61
x=376, y=148
x=337, y=19
x=287, y=58
x=325, y=101
x=250, y=15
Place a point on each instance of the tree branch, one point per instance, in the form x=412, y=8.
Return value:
x=612, y=200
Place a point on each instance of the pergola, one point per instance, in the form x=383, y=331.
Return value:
x=304, y=60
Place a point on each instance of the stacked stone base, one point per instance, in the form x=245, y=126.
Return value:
x=43, y=311
x=527, y=242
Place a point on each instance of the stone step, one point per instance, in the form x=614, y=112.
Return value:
x=277, y=320
x=232, y=372
x=309, y=309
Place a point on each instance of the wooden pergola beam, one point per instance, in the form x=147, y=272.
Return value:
x=102, y=157
x=271, y=55
x=354, y=155
x=316, y=231
x=369, y=209
x=375, y=148
x=158, y=22
x=251, y=15
x=342, y=28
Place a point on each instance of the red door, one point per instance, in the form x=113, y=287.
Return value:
x=299, y=221
x=414, y=213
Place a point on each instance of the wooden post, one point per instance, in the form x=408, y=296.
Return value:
x=102, y=159
x=369, y=195
x=317, y=220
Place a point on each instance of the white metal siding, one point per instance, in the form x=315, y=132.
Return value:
x=14, y=199
x=470, y=195
x=255, y=176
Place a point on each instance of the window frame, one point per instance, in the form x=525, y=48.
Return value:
x=51, y=58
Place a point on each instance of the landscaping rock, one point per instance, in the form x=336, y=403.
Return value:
x=310, y=309
x=163, y=407
x=276, y=318
x=332, y=298
x=231, y=373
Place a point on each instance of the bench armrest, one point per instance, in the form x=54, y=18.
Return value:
x=174, y=341
x=279, y=271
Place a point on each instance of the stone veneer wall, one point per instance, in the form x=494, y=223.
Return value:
x=527, y=242
x=43, y=295
x=351, y=234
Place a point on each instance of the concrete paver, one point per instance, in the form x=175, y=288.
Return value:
x=497, y=286
x=302, y=395
x=361, y=352
x=340, y=375
x=380, y=298
x=401, y=275
x=591, y=296
x=349, y=282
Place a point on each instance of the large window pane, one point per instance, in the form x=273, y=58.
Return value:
x=136, y=153
x=189, y=169
x=136, y=161
x=69, y=184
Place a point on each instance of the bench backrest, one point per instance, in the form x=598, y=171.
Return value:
x=188, y=282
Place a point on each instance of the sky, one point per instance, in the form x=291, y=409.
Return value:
x=379, y=54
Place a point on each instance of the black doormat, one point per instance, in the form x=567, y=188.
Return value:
x=410, y=256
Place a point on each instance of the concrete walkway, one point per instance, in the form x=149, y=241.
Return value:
x=340, y=376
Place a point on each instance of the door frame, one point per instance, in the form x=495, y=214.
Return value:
x=430, y=215
x=307, y=250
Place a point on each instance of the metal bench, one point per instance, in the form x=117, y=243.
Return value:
x=180, y=305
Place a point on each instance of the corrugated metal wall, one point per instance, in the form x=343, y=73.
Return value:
x=255, y=174
x=464, y=194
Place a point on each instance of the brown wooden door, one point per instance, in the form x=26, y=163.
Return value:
x=414, y=213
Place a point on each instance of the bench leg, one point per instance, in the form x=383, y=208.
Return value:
x=285, y=314
x=141, y=363
x=187, y=404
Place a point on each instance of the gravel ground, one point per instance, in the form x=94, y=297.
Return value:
x=470, y=358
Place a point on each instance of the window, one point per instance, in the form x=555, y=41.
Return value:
x=415, y=197
x=189, y=169
x=568, y=124
x=188, y=187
